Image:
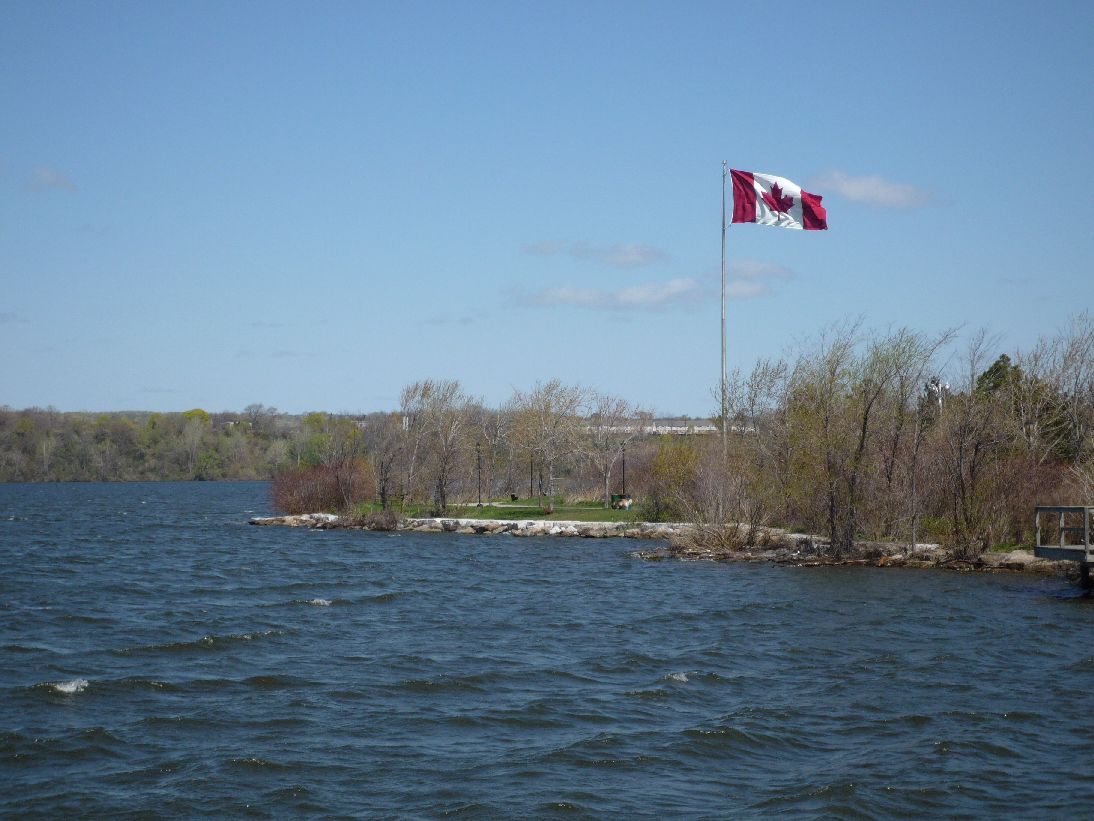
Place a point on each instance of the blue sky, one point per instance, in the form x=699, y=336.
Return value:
x=311, y=205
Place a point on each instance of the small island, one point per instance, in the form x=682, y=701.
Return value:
x=692, y=542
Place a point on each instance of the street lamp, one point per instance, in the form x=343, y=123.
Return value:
x=478, y=460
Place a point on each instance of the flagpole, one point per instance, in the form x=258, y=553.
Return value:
x=725, y=421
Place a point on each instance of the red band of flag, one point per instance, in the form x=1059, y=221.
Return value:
x=744, y=196
x=814, y=217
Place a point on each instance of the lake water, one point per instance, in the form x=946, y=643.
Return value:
x=159, y=656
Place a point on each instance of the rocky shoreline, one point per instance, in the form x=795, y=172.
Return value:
x=807, y=551
x=780, y=547
x=520, y=527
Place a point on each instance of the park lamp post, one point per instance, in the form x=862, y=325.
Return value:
x=624, y=470
x=478, y=460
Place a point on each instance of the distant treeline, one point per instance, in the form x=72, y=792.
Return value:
x=46, y=445
x=439, y=442
x=882, y=436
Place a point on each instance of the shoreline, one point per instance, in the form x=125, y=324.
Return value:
x=490, y=527
x=793, y=549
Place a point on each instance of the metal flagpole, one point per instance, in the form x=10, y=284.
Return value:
x=725, y=421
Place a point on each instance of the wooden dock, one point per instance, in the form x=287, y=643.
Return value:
x=1064, y=534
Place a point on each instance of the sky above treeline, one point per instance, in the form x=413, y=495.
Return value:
x=310, y=205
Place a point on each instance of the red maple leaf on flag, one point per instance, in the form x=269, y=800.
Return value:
x=776, y=201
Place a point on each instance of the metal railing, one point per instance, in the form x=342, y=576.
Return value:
x=1078, y=548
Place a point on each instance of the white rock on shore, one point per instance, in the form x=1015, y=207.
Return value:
x=298, y=520
x=527, y=527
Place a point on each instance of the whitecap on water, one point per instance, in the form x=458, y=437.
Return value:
x=319, y=602
x=677, y=677
x=77, y=685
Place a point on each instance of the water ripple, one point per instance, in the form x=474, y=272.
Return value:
x=158, y=657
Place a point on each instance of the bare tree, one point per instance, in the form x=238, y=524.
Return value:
x=490, y=430
x=193, y=432
x=756, y=480
x=971, y=432
x=612, y=424
x=847, y=408
x=1076, y=382
x=547, y=424
x=46, y=448
x=345, y=457
x=446, y=421
x=910, y=358
x=821, y=427
x=412, y=403
x=385, y=441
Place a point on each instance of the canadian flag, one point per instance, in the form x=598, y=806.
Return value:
x=770, y=200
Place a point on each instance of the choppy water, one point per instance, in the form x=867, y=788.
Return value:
x=159, y=656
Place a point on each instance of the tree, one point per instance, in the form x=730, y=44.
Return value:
x=611, y=425
x=759, y=413
x=673, y=479
x=411, y=407
x=193, y=432
x=906, y=416
x=847, y=408
x=490, y=430
x=434, y=420
x=1037, y=407
x=446, y=412
x=547, y=425
x=384, y=439
x=1075, y=381
x=971, y=433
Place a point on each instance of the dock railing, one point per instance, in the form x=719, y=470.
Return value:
x=1071, y=526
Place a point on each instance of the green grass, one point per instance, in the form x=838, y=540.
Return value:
x=1008, y=547
x=519, y=510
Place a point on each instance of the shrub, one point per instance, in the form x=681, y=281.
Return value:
x=322, y=488
x=672, y=480
x=377, y=520
x=382, y=520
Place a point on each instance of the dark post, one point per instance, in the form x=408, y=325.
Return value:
x=478, y=460
x=624, y=470
x=530, y=472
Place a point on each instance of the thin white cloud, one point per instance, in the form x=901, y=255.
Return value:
x=754, y=269
x=746, y=289
x=543, y=249
x=650, y=295
x=247, y=353
x=619, y=256
x=647, y=296
x=287, y=354
x=630, y=255
x=44, y=179
x=872, y=190
x=447, y=319
x=658, y=293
